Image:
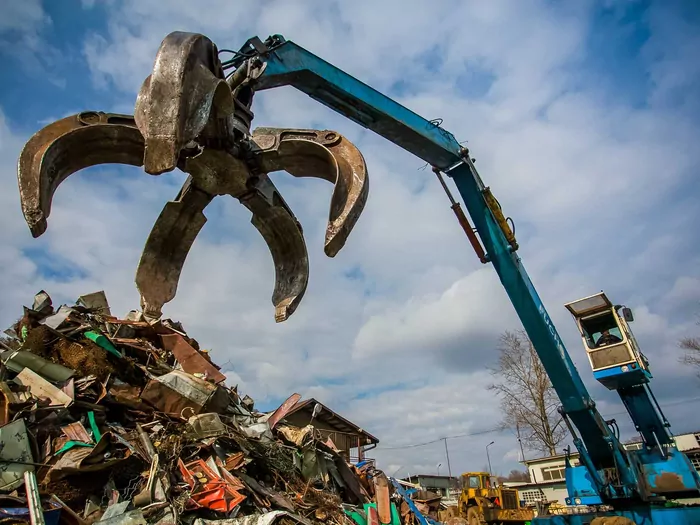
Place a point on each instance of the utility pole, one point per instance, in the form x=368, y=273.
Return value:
x=522, y=452
x=447, y=454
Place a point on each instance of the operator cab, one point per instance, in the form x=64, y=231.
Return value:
x=610, y=345
x=478, y=480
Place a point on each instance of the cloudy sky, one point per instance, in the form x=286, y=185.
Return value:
x=583, y=119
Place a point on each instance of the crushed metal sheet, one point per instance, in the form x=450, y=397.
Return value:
x=256, y=519
x=42, y=302
x=283, y=410
x=190, y=359
x=56, y=320
x=183, y=395
x=18, y=360
x=207, y=425
x=41, y=388
x=14, y=446
x=76, y=432
x=235, y=461
x=83, y=460
x=96, y=301
x=258, y=431
x=134, y=517
x=115, y=510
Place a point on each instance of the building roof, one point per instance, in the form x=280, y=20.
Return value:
x=430, y=476
x=631, y=442
x=544, y=459
x=331, y=418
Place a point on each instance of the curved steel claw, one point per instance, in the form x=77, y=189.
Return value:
x=66, y=146
x=175, y=103
x=325, y=155
x=217, y=173
x=187, y=116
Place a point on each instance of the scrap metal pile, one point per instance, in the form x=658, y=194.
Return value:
x=122, y=421
x=128, y=421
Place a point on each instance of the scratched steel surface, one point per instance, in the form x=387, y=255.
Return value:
x=188, y=116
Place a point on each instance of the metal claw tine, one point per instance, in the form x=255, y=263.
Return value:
x=167, y=247
x=69, y=145
x=283, y=235
x=185, y=90
x=218, y=173
x=321, y=154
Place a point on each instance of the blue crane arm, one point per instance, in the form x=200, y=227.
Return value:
x=288, y=64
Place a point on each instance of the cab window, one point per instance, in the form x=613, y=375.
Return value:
x=473, y=482
x=601, y=330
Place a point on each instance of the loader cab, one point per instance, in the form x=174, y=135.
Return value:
x=612, y=350
x=477, y=480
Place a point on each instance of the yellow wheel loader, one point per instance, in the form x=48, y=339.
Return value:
x=482, y=502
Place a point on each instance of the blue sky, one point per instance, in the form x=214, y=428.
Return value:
x=583, y=118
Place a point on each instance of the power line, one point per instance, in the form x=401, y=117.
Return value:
x=414, y=445
x=672, y=403
x=500, y=429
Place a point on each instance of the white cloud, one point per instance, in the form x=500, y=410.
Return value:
x=26, y=16
x=591, y=182
x=22, y=29
x=433, y=323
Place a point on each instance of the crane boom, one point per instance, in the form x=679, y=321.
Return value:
x=289, y=64
x=608, y=473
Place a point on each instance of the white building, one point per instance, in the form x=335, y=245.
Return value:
x=548, y=482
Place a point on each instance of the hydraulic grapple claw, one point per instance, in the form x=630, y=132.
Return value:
x=325, y=155
x=218, y=173
x=188, y=116
x=69, y=145
x=185, y=90
x=167, y=246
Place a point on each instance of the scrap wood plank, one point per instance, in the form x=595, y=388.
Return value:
x=381, y=492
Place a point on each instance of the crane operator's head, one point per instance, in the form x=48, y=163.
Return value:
x=607, y=338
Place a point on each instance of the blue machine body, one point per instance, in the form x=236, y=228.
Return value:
x=639, y=516
x=581, y=487
x=616, y=378
x=631, y=482
x=406, y=496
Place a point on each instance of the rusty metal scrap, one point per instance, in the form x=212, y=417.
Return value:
x=153, y=437
x=190, y=359
x=188, y=116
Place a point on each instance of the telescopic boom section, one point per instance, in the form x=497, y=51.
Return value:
x=288, y=64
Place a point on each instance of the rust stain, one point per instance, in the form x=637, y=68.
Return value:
x=191, y=361
x=283, y=410
x=76, y=432
x=668, y=482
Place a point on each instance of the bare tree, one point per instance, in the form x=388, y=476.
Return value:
x=515, y=475
x=691, y=345
x=528, y=399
